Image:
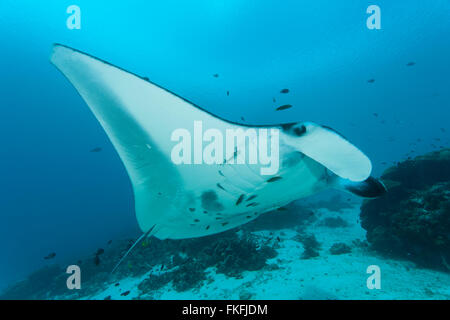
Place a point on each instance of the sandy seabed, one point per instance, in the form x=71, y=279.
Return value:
x=326, y=276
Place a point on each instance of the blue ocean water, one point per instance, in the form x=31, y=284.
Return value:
x=56, y=196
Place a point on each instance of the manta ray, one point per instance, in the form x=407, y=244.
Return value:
x=186, y=201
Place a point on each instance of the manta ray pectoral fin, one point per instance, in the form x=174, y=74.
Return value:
x=330, y=149
x=369, y=188
x=139, y=118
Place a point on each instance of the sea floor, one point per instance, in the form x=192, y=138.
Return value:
x=288, y=276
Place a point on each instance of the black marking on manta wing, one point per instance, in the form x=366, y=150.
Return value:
x=273, y=179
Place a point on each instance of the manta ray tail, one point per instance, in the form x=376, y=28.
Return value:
x=142, y=237
x=369, y=188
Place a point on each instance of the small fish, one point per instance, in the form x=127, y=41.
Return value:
x=284, y=107
x=371, y=80
x=242, y=118
x=50, y=256
x=228, y=93
x=146, y=78
x=410, y=64
x=375, y=114
x=239, y=200
x=284, y=91
x=97, y=149
x=117, y=284
x=125, y=293
x=162, y=267
x=278, y=239
x=109, y=242
x=274, y=100
x=100, y=251
x=107, y=298
x=216, y=75
x=97, y=260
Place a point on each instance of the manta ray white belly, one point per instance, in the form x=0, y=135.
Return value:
x=183, y=201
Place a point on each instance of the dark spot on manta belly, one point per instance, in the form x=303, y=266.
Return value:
x=284, y=91
x=241, y=197
x=273, y=179
x=207, y=227
x=210, y=202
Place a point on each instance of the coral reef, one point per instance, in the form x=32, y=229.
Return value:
x=227, y=252
x=310, y=245
x=182, y=263
x=413, y=219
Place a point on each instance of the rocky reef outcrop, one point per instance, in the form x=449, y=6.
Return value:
x=412, y=220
